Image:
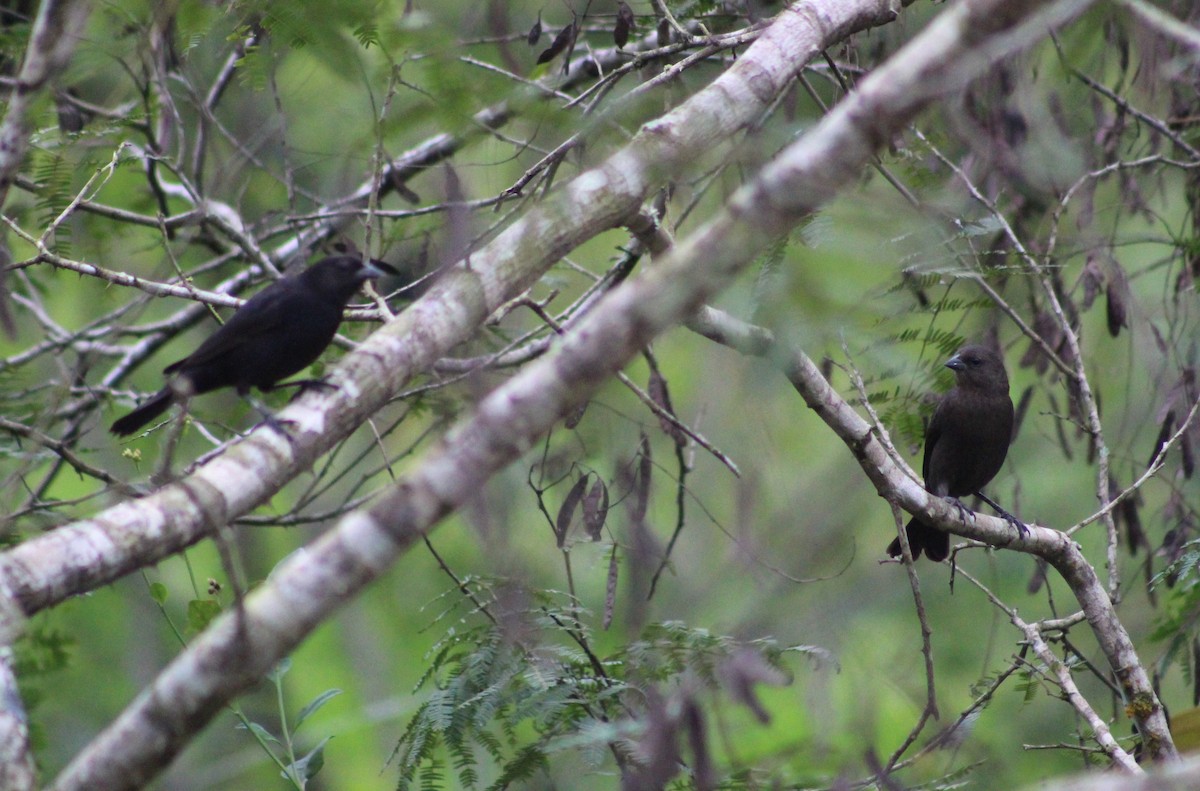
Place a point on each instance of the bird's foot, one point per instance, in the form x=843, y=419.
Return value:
x=963, y=511
x=314, y=384
x=270, y=421
x=302, y=386
x=1021, y=527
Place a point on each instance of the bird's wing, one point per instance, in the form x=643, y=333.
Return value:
x=933, y=433
x=263, y=313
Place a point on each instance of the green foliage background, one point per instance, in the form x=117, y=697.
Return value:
x=788, y=552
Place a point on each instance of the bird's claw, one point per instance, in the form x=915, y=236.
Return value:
x=1021, y=527
x=316, y=384
x=304, y=385
x=963, y=511
x=270, y=421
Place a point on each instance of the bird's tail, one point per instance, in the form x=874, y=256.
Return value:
x=139, y=417
x=923, y=538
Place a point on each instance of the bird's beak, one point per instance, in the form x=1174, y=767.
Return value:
x=955, y=363
x=375, y=269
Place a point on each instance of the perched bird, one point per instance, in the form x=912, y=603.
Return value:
x=278, y=332
x=965, y=443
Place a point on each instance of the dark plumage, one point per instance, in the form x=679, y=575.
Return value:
x=278, y=332
x=965, y=443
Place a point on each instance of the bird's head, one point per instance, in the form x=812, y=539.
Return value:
x=979, y=366
x=343, y=274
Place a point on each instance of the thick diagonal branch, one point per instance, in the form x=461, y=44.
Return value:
x=310, y=585
x=85, y=555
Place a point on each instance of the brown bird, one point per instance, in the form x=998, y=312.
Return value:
x=965, y=444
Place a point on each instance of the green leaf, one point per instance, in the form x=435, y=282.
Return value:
x=280, y=670
x=158, y=592
x=308, y=766
x=367, y=34
x=316, y=704
x=200, y=614
x=525, y=765
x=42, y=650
x=259, y=731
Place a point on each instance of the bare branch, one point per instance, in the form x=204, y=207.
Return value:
x=308, y=586
x=93, y=552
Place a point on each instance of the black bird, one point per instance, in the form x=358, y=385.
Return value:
x=279, y=331
x=965, y=443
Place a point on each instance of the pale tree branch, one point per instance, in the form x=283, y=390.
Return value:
x=55, y=33
x=310, y=585
x=440, y=147
x=1164, y=23
x=1183, y=775
x=87, y=554
x=1034, y=638
x=224, y=218
x=17, y=770
x=895, y=485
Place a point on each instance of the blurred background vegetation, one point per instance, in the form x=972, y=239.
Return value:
x=776, y=575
